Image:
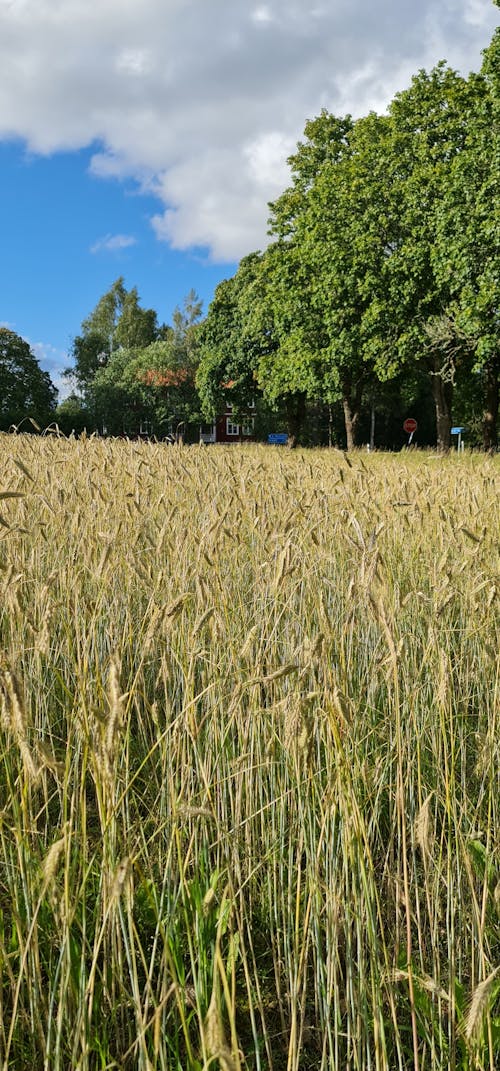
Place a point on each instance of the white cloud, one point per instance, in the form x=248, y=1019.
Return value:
x=53, y=361
x=262, y=14
x=113, y=243
x=133, y=61
x=266, y=157
x=201, y=102
x=477, y=13
x=64, y=386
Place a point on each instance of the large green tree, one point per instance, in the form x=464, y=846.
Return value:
x=166, y=371
x=153, y=386
x=428, y=133
x=466, y=256
x=26, y=392
x=324, y=273
x=118, y=320
x=383, y=269
x=230, y=343
x=310, y=305
x=266, y=325
x=352, y=280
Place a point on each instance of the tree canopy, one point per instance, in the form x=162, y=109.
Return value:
x=152, y=386
x=118, y=321
x=27, y=394
x=383, y=270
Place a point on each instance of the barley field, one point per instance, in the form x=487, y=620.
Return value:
x=250, y=759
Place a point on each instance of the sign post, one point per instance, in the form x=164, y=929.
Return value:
x=459, y=432
x=410, y=426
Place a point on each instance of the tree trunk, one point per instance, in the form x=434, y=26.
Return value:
x=372, y=428
x=490, y=415
x=351, y=401
x=295, y=417
x=349, y=423
x=442, y=390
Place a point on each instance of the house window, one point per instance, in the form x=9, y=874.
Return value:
x=248, y=426
x=232, y=429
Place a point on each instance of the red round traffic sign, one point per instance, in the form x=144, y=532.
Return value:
x=410, y=425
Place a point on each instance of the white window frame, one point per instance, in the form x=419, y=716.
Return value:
x=232, y=429
x=248, y=427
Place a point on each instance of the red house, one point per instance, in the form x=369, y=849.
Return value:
x=227, y=428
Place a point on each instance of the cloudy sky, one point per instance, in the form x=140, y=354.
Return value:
x=145, y=137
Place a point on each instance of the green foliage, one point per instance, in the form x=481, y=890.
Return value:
x=230, y=342
x=26, y=392
x=384, y=264
x=118, y=321
x=468, y=231
x=86, y=352
x=117, y=401
x=152, y=386
x=324, y=273
x=135, y=326
x=72, y=415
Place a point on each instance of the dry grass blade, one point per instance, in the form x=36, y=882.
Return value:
x=479, y=1004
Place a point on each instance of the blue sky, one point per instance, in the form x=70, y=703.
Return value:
x=145, y=138
x=66, y=235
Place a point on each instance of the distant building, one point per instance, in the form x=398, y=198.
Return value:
x=228, y=428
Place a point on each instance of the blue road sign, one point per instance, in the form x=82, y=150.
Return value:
x=277, y=438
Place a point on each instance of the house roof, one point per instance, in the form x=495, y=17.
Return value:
x=167, y=377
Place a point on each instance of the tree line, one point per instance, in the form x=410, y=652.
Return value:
x=377, y=297
x=380, y=289
x=132, y=374
x=129, y=374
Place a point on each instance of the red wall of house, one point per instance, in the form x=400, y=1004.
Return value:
x=221, y=430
